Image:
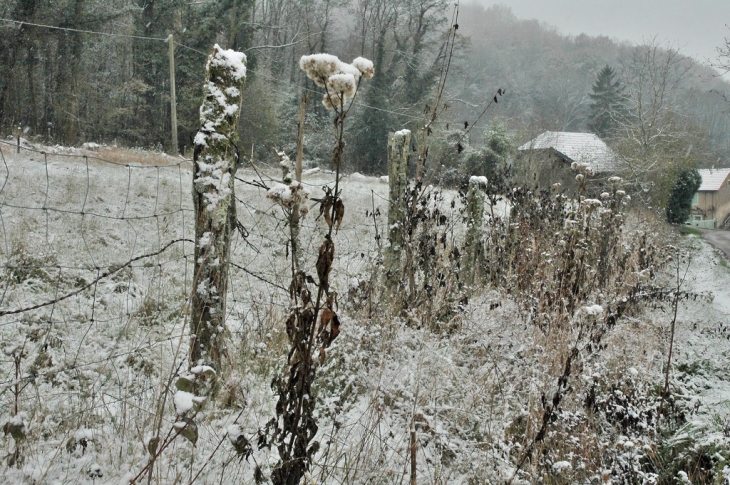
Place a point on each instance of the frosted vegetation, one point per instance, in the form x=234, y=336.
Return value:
x=430, y=330
x=92, y=379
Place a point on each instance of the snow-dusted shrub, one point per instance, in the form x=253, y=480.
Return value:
x=692, y=458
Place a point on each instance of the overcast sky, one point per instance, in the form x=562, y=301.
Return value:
x=698, y=27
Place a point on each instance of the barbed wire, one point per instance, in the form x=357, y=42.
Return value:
x=20, y=23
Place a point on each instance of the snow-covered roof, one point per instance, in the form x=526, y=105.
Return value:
x=584, y=148
x=713, y=178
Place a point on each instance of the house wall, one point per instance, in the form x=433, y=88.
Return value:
x=714, y=205
x=540, y=169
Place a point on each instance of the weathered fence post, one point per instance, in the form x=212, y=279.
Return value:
x=475, y=198
x=294, y=228
x=398, y=147
x=214, y=200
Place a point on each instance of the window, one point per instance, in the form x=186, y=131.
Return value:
x=696, y=197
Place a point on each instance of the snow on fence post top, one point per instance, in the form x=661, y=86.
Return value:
x=225, y=71
x=214, y=200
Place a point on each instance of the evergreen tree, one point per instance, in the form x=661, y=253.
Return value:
x=609, y=102
x=679, y=206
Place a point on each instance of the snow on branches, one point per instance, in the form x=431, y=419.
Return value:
x=290, y=193
x=339, y=79
x=287, y=196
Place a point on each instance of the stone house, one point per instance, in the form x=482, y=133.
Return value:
x=546, y=159
x=711, y=202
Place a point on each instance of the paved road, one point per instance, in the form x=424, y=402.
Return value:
x=719, y=239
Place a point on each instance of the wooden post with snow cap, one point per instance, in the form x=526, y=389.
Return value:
x=398, y=147
x=475, y=198
x=214, y=202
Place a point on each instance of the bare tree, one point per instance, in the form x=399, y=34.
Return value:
x=656, y=138
x=723, y=57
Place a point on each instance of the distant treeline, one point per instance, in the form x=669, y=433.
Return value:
x=71, y=85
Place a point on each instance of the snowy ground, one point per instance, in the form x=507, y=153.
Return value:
x=704, y=330
x=92, y=367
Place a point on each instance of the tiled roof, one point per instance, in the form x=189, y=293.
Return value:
x=712, y=178
x=578, y=147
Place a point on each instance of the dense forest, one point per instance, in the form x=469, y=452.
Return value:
x=103, y=76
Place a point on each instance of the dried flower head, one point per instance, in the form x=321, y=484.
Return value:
x=331, y=101
x=343, y=84
x=339, y=78
x=319, y=67
x=365, y=66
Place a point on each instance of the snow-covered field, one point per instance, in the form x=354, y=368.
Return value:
x=97, y=270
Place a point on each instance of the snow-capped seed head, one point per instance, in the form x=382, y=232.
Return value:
x=95, y=471
x=593, y=309
x=331, y=101
x=605, y=195
x=620, y=194
x=233, y=432
x=574, y=166
x=319, y=67
x=365, y=66
x=591, y=203
x=615, y=180
x=288, y=195
x=557, y=185
x=345, y=68
x=579, y=177
x=342, y=84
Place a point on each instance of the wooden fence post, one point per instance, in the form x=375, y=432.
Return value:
x=174, y=150
x=294, y=227
x=475, y=198
x=214, y=200
x=398, y=147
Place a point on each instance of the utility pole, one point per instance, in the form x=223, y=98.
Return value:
x=173, y=103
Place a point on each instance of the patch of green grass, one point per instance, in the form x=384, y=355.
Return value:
x=690, y=230
x=722, y=262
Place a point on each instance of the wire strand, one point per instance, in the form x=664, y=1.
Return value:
x=82, y=31
x=178, y=44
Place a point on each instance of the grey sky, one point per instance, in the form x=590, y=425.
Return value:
x=698, y=27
